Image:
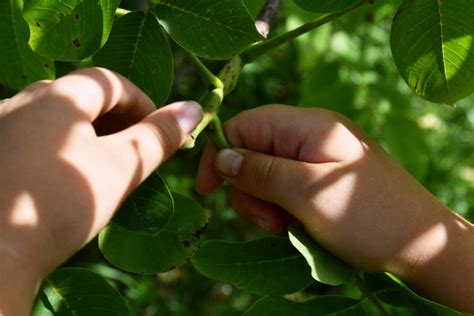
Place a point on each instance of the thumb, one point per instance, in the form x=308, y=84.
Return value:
x=277, y=180
x=153, y=140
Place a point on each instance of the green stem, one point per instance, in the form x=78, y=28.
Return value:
x=258, y=49
x=366, y=293
x=206, y=75
x=211, y=102
x=121, y=12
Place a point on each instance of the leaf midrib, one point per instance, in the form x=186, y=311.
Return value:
x=443, y=54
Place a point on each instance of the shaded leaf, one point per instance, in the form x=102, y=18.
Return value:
x=267, y=266
x=208, y=28
x=79, y=292
x=20, y=65
x=325, y=267
x=148, y=209
x=325, y=6
x=69, y=30
x=432, y=46
x=138, y=49
x=392, y=291
x=168, y=248
x=326, y=305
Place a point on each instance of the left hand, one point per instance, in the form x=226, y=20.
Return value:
x=61, y=182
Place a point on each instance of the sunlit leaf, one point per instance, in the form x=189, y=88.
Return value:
x=325, y=268
x=138, y=49
x=432, y=47
x=69, y=30
x=20, y=65
x=267, y=266
x=79, y=292
x=208, y=28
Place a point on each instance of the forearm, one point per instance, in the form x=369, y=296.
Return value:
x=439, y=263
x=19, y=283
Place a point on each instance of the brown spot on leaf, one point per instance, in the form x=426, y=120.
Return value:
x=77, y=16
x=38, y=24
x=186, y=243
x=76, y=42
x=46, y=66
x=61, y=16
x=199, y=232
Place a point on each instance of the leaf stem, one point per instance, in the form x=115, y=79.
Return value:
x=361, y=285
x=121, y=12
x=260, y=48
x=206, y=75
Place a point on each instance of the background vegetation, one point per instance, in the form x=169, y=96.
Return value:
x=345, y=66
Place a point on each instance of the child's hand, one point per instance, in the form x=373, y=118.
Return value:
x=350, y=195
x=60, y=182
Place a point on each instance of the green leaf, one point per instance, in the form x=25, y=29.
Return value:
x=20, y=65
x=325, y=267
x=169, y=247
x=325, y=6
x=392, y=291
x=149, y=209
x=432, y=46
x=254, y=6
x=79, y=292
x=138, y=49
x=267, y=266
x=208, y=28
x=69, y=30
x=333, y=305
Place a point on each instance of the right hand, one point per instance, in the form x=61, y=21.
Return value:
x=349, y=194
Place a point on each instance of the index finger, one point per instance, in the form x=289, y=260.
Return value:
x=96, y=91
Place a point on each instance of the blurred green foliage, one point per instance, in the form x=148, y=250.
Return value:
x=347, y=67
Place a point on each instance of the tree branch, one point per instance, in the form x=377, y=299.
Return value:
x=260, y=48
x=267, y=17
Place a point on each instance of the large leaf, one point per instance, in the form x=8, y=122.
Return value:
x=208, y=28
x=78, y=292
x=20, y=65
x=169, y=247
x=148, y=209
x=325, y=268
x=326, y=305
x=69, y=30
x=325, y=6
x=432, y=47
x=138, y=49
x=267, y=266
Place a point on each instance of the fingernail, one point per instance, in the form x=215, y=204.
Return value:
x=228, y=162
x=262, y=223
x=189, y=114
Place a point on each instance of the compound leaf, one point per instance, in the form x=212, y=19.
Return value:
x=432, y=44
x=325, y=268
x=69, y=30
x=325, y=6
x=267, y=266
x=148, y=209
x=80, y=292
x=169, y=247
x=138, y=49
x=20, y=65
x=208, y=28
x=321, y=306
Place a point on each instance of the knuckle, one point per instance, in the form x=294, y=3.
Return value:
x=264, y=170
